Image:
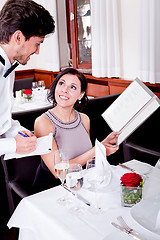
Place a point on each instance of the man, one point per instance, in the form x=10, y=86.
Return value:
x=23, y=27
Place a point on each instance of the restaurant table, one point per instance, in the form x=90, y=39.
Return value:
x=27, y=111
x=39, y=216
x=38, y=102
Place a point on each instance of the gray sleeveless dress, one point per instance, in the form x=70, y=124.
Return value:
x=72, y=139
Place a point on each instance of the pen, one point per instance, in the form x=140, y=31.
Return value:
x=24, y=135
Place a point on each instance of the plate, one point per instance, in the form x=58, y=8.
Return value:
x=117, y=236
x=147, y=212
x=140, y=167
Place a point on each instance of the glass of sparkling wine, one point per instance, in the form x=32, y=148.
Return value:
x=74, y=181
x=61, y=166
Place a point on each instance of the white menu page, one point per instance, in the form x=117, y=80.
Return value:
x=131, y=109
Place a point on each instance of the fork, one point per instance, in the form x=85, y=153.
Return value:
x=127, y=228
x=124, y=224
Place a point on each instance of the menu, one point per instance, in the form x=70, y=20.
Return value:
x=131, y=109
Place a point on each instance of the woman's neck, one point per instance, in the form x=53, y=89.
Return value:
x=65, y=115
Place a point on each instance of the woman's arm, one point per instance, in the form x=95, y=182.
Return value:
x=43, y=127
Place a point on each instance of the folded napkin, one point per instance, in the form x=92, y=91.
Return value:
x=102, y=165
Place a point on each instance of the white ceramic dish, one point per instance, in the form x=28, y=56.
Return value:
x=147, y=212
x=139, y=167
x=118, y=236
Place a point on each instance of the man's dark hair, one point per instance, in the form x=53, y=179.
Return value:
x=27, y=16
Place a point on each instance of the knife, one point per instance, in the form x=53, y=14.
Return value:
x=131, y=233
x=78, y=196
x=124, y=166
x=132, y=170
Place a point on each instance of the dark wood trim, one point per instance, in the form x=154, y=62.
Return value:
x=73, y=27
x=96, y=86
x=73, y=32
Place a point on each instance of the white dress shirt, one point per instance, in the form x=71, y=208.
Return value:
x=8, y=127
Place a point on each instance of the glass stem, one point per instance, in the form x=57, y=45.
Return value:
x=62, y=183
x=95, y=204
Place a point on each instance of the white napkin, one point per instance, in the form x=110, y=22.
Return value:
x=100, y=157
x=102, y=165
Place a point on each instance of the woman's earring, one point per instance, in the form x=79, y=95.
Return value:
x=79, y=101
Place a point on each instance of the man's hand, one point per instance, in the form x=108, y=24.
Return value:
x=25, y=144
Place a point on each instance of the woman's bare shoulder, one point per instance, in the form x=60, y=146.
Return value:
x=43, y=126
x=84, y=117
x=85, y=121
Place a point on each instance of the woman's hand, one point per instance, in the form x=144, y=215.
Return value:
x=110, y=143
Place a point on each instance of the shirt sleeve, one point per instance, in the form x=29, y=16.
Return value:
x=7, y=140
x=8, y=145
x=15, y=128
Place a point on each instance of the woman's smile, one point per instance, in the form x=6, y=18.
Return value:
x=63, y=97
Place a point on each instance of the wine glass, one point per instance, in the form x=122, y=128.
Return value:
x=34, y=88
x=95, y=180
x=61, y=166
x=74, y=181
x=41, y=85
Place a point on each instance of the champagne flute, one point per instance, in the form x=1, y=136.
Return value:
x=61, y=166
x=94, y=179
x=74, y=181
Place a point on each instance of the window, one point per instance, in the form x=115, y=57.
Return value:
x=79, y=32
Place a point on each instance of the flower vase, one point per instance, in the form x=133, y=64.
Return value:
x=130, y=195
x=27, y=97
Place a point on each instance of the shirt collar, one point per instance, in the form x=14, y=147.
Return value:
x=7, y=62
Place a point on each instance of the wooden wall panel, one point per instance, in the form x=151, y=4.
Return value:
x=117, y=86
x=24, y=74
x=97, y=87
x=47, y=79
x=96, y=90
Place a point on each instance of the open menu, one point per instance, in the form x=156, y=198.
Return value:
x=44, y=146
x=131, y=109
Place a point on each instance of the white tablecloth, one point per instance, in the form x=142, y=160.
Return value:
x=39, y=101
x=40, y=217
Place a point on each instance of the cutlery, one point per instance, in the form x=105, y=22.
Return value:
x=124, y=166
x=125, y=228
x=132, y=170
x=78, y=196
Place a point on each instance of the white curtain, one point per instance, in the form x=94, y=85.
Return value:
x=105, y=38
x=149, y=54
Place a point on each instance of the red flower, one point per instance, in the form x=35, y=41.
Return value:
x=131, y=179
x=28, y=91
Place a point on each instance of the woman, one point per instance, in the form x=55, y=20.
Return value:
x=70, y=128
